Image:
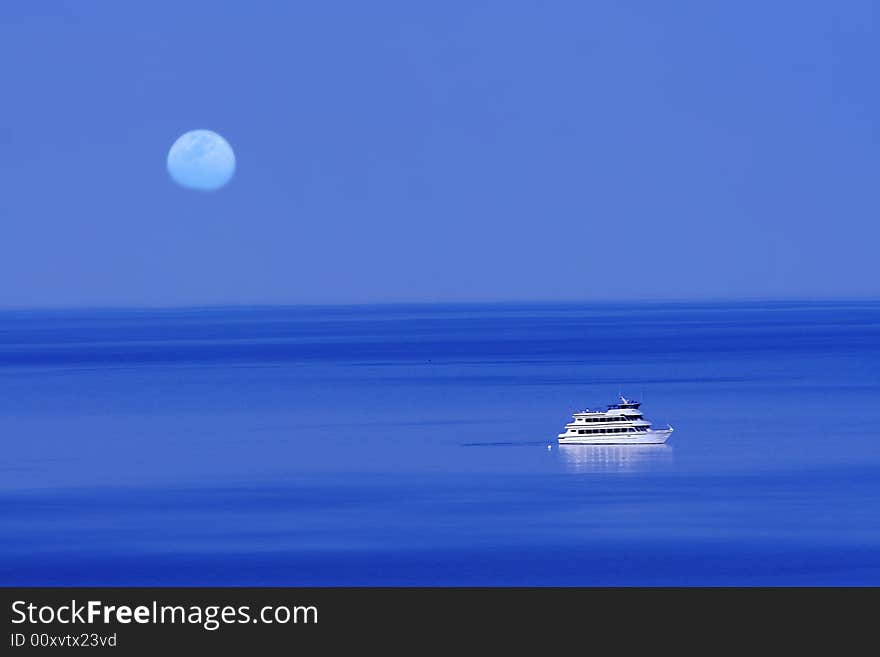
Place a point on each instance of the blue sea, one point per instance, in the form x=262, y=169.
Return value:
x=415, y=445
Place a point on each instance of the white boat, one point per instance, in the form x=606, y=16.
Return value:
x=621, y=424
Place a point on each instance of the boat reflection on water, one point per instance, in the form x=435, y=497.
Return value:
x=616, y=458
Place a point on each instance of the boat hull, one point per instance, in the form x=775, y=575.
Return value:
x=651, y=437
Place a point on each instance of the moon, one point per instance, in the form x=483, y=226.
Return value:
x=201, y=159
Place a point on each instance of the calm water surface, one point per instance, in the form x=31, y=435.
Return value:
x=392, y=445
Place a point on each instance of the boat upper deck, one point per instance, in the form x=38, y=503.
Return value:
x=625, y=406
x=624, y=403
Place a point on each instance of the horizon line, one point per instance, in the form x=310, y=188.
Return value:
x=425, y=303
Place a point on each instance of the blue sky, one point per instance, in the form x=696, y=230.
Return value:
x=400, y=151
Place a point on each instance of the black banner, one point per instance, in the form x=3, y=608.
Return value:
x=150, y=620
